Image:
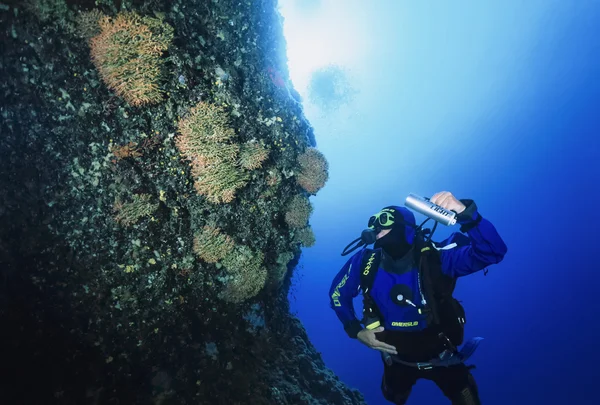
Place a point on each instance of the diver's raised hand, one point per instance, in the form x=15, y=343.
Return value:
x=446, y=200
x=368, y=338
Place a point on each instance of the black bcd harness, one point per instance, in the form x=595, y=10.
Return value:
x=440, y=308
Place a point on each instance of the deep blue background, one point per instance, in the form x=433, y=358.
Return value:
x=498, y=101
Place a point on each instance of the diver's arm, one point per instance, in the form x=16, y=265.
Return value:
x=486, y=248
x=344, y=288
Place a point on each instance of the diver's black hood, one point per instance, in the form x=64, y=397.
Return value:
x=395, y=243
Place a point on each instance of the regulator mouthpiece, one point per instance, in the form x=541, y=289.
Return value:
x=368, y=236
x=424, y=206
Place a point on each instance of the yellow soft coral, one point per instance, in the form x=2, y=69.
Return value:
x=246, y=274
x=298, y=211
x=127, y=53
x=218, y=163
x=252, y=155
x=313, y=170
x=211, y=245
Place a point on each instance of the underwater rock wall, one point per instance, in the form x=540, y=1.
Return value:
x=155, y=174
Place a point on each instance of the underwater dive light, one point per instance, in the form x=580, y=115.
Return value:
x=424, y=206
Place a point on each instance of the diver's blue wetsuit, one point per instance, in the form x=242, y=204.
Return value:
x=405, y=327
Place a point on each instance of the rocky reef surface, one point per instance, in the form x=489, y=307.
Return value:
x=156, y=170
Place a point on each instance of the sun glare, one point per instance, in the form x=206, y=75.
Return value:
x=330, y=34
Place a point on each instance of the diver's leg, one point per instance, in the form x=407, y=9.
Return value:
x=397, y=382
x=457, y=384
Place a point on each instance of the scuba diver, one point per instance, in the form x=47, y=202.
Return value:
x=407, y=281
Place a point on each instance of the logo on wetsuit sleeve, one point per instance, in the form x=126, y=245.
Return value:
x=335, y=297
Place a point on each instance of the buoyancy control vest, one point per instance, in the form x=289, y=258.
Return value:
x=438, y=306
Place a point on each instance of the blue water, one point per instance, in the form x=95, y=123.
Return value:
x=498, y=101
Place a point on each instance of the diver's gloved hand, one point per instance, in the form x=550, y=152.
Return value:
x=446, y=200
x=368, y=338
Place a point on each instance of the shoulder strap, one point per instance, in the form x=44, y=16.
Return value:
x=424, y=261
x=368, y=269
x=437, y=286
x=436, y=282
